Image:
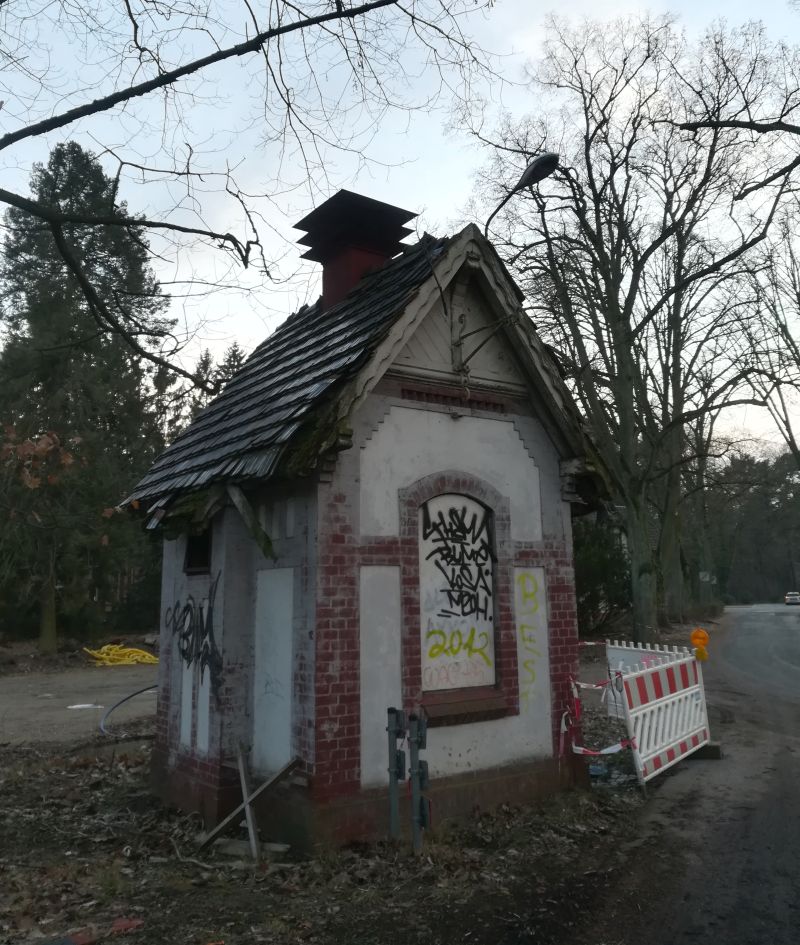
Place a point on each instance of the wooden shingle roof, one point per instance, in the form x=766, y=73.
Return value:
x=247, y=430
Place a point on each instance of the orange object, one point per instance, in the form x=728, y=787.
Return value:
x=126, y=925
x=699, y=637
x=701, y=654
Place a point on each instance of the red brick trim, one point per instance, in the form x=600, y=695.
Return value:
x=485, y=701
x=337, y=713
x=452, y=397
x=337, y=698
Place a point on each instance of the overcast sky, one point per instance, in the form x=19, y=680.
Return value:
x=430, y=170
x=418, y=164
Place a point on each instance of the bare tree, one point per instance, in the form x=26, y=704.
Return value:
x=634, y=256
x=761, y=79
x=161, y=91
x=774, y=337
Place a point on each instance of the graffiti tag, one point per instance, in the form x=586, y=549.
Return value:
x=453, y=643
x=461, y=551
x=528, y=630
x=456, y=593
x=192, y=624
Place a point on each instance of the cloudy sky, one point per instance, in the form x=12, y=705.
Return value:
x=438, y=176
x=422, y=165
x=418, y=162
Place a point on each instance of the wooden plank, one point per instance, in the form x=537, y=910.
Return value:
x=274, y=779
x=249, y=816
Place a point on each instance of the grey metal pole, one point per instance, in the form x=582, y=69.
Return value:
x=416, y=825
x=394, y=799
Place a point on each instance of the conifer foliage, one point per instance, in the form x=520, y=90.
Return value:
x=78, y=419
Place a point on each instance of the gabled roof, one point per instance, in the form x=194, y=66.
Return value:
x=281, y=412
x=244, y=432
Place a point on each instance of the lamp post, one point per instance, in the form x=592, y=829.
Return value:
x=540, y=167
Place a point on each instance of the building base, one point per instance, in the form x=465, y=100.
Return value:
x=293, y=812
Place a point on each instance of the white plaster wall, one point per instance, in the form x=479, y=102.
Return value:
x=195, y=709
x=381, y=684
x=272, y=669
x=203, y=710
x=409, y=444
x=459, y=748
x=187, y=692
x=194, y=720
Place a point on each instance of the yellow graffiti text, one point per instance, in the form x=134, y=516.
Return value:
x=528, y=633
x=452, y=643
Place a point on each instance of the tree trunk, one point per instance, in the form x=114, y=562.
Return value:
x=48, y=637
x=674, y=590
x=643, y=575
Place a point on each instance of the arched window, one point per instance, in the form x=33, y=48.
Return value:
x=456, y=592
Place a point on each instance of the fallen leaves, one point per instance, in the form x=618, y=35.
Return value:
x=83, y=842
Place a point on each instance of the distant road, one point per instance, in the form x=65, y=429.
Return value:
x=720, y=859
x=762, y=647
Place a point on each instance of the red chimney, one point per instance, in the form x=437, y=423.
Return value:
x=351, y=235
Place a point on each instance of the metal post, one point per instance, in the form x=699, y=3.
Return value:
x=396, y=728
x=416, y=825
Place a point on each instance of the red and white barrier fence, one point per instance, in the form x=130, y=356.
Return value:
x=622, y=657
x=659, y=692
x=665, y=713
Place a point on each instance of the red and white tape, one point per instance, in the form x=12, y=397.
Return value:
x=566, y=732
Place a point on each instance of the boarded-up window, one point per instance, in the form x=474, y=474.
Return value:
x=456, y=578
x=198, y=553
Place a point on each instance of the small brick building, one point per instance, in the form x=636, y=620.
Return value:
x=375, y=512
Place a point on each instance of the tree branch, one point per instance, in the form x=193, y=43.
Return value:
x=173, y=75
x=104, y=317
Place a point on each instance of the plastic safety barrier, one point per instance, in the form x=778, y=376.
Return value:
x=664, y=707
x=623, y=656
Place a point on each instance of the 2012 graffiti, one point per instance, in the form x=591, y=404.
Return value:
x=443, y=643
x=193, y=625
x=456, y=593
x=462, y=552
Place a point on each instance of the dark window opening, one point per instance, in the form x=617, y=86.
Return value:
x=198, y=553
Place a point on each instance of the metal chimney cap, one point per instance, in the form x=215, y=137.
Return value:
x=350, y=219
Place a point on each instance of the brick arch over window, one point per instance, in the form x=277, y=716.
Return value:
x=457, y=706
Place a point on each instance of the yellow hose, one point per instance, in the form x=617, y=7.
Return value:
x=114, y=654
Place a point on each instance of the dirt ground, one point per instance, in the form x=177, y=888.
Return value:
x=67, y=707
x=84, y=844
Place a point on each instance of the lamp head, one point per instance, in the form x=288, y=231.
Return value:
x=540, y=167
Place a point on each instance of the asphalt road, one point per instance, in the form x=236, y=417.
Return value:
x=35, y=707
x=717, y=861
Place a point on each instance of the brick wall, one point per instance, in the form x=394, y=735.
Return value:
x=342, y=552
x=336, y=684
x=505, y=644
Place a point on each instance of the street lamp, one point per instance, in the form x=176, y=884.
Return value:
x=539, y=168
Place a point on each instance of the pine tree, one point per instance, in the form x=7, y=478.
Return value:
x=178, y=401
x=75, y=403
